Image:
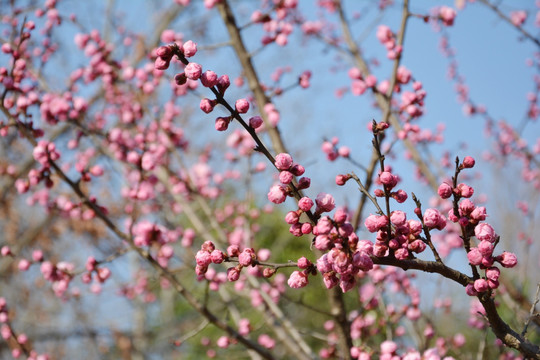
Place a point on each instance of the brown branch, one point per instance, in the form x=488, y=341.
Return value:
x=188, y=296
x=382, y=100
x=251, y=74
x=531, y=312
x=507, y=19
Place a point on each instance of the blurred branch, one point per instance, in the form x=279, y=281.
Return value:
x=531, y=312
x=188, y=296
x=251, y=74
x=383, y=101
x=507, y=19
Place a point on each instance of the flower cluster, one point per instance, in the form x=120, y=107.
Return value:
x=332, y=151
x=404, y=237
x=412, y=103
x=246, y=258
x=518, y=17
x=388, y=39
x=389, y=182
x=287, y=172
x=446, y=15
x=471, y=219
x=100, y=274
x=276, y=30
x=360, y=83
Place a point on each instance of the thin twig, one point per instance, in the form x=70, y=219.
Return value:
x=531, y=313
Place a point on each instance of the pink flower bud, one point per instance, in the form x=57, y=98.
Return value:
x=208, y=246
x=324, y=225
x=24, y=265
x=468, y=162
x=417, y=246
x=209, y=78
x=233, y=274
x=507, y=259
x=474, y=256
x=484, y=231
x=189, y=48
x=400, y=196
x=470, y=290
x=223, y=342
x=103, y=273
x=444, y=191
x=479, y=213
x=165, y=52
x=161, y=64
x=37, y=255
x=330, y=280
x=246, y=257
x=223, y=83
x=305, y=204
x=297, y=280
x=203, y=258
x=347, y=282
x=303, y=80
x=222, y=124
x=306, y=228
x=481, y=285
x=344, y=151
x=91, y=263
x=5, y=251
x=217, y=256
x=322, y=242
x=233, y=251
x=493, y=284
x=200, y=270
x=370, y=81
x=447, y=15
x=180, y=79
x=325, y=202
x=207, y=105
x=292, y=217
x=493, y=273
x=297, y=169
x=388, y=179
x=296, y=229
x=304, y=183
x=7, y=48
x=398, y=218
x=374, y=223
x=193, y=71
x=255, y=122
x=465, y=190
x=283, y=161
x=303, y=263
x=432, y=218
x=342, y=179
x=485, y=248
x=242, y=106
x=277, y=194
x=268, y=272
x=340, y=216
x=403, y=75
x=518, y=17
x=466, y=207
x=362, y=261
x=286, y=177
x=388, y=347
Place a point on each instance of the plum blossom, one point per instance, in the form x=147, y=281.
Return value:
x=325, y=202
x=277, y=194
x=297, y=280
x=484, y=231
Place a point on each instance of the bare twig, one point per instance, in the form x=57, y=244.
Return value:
x=531, y=312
